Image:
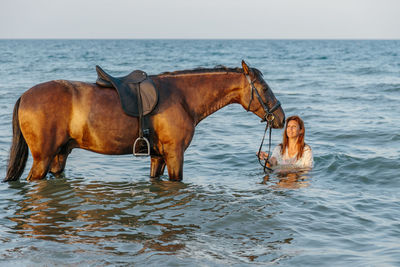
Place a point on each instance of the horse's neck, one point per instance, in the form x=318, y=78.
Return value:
x=209, y=92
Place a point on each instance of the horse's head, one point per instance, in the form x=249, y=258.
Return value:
x=259, y=98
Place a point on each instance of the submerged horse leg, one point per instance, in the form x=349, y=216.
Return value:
x=157, y=167
x=45, y=159
x=44, y=144
x=174, y=161
x=58, y=164
x=43, y=154
x=39, y=168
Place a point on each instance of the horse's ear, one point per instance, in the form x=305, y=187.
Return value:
x=246, y=68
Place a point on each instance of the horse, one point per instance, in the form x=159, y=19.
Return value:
x=52, y=118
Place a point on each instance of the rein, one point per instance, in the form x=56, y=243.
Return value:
x=269, y=148
x=269, y=117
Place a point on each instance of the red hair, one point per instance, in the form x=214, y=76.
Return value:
x=300, y=140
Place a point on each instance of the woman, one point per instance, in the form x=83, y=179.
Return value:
x=292, y=152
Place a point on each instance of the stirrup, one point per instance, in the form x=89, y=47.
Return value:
x=141, y=147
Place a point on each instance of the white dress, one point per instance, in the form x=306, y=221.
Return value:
x=306, y=161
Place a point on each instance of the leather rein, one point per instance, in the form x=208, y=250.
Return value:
x=269, y=117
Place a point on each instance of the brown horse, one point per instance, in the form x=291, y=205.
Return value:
x=54, y=117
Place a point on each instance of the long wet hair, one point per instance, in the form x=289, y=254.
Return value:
x=300, y=141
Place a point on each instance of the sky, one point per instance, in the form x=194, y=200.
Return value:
x=200, y=19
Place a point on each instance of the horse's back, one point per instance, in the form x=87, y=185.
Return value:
x=66, y=98
x=47, y=103
x=84, y=112
x=45, y=95
x=55, y=100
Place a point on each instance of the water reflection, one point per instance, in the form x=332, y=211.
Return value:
x=288, y=179
x=140, y=219
x=75, y=211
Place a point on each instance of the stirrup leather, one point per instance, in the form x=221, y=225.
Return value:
x=141, y=147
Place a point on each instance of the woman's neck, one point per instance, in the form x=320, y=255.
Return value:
x=292, y=143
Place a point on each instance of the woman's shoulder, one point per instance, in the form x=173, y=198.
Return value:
x=307, y=147
x=277, y=150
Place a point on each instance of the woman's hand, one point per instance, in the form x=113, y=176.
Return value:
x=262, y=155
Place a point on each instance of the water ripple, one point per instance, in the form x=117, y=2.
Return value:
x=106, y=211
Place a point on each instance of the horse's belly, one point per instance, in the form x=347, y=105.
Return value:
x=99, y=124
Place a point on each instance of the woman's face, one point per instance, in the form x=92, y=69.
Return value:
x=293, y=129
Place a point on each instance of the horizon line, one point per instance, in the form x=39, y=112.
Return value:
x=211, y=39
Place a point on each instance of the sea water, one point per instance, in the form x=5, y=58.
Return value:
x=226, y=212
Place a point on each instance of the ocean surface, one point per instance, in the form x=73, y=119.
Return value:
x=226, y=212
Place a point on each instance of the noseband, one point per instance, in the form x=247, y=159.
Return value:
x=269, y=117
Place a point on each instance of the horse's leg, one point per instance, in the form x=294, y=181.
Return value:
x=174, y=160
x=44, y=144
x=43, y=162
x=58, y=164
x=157, y=167
x=39, y=168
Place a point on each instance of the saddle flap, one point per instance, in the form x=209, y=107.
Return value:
x=129, y=98
x=149, y=96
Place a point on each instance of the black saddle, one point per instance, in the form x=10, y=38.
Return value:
x=136, y=91
x=138, y=97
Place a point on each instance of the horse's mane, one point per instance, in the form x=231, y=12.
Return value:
x=219, y=68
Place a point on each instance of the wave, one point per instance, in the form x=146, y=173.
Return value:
x=367, y=71
x=374, y=170
x=395, y=137
x=317, y=58
x=385, y=87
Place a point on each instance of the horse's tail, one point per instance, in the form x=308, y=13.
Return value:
x=18, y=151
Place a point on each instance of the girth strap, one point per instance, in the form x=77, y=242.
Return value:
x=140, y=107
x=141, y=146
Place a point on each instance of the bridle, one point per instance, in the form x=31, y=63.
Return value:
x=269, y=118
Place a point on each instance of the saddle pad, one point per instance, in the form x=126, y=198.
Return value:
x=127, y=88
